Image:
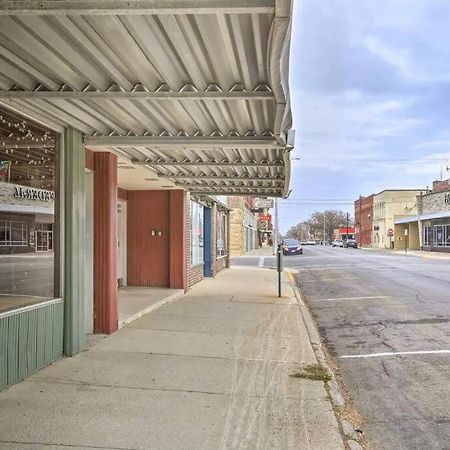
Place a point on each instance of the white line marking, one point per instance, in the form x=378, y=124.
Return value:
x=349, y=298
x=261, y=262
x=375, y=355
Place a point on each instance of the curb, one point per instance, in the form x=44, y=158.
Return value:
x=349, y=434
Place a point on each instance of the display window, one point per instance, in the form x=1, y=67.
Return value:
x=427, y=237
x=221, y=234
x=197, y=233
x=28, y=214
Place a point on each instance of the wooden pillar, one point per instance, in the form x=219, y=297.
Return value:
x=73, y=180
x=177, y=240
x=105, y=243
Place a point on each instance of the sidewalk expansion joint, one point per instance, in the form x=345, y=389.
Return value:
x=53, y=444
x=225, y=358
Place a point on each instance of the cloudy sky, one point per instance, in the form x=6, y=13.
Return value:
x=370, y=88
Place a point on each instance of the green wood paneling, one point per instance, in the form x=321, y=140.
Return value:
x=13, y=348
x=74, y=237
x=30, y=340
x=3, y=352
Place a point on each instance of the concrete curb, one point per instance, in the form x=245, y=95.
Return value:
x=349, y=433
x=157, y=305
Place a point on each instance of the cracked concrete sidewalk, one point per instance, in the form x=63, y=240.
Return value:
x=210, y=371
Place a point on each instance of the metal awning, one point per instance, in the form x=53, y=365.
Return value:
x=197, y=92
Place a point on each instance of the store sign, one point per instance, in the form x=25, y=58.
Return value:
x=263, y=203
x=33, y=194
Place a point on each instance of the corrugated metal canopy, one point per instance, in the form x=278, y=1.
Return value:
x=195, y=91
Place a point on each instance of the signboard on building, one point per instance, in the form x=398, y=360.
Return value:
x=263, y=203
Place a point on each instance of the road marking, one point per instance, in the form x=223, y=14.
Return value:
x=261, y=261
x=349, y=298
x=375, y=355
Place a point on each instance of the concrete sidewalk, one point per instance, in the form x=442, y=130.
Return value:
x=209, y=371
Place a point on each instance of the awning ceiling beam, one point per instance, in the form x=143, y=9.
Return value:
x=158, y=95
x=208, y=163
x=134, y=7
x=182, y=142
x=217, y=177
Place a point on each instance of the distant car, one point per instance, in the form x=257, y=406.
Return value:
x=292, y=247
x=310, y=242
x=337, y=243
x=350, y=243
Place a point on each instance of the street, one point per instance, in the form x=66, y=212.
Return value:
x=385, y=319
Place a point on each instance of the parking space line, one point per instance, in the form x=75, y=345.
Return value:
x=376, y=355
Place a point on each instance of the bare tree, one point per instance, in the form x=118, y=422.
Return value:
x=319, y=224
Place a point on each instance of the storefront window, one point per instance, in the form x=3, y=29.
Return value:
x=439, y=235
x=426, y=236
x=197, y=238
x=28, y=187
x=221, y=234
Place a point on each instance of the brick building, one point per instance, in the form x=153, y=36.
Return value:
x=243, y=225
x=429, y=230
x=364, y=221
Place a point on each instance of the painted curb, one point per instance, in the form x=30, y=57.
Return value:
x=348, y=432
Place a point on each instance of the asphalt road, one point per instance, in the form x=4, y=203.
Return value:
x=385, y=319
x=27, y=274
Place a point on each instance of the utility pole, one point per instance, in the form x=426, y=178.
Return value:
x=324, y=228
x=346, y=233
x=360, y=220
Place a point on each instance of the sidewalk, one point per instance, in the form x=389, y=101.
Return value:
x=257, y=253
x=209, y=371
x=420, y=253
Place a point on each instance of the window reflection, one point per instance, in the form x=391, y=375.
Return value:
x=28, y=180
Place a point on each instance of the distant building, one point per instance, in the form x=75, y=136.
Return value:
x=429, y=229
x=344, y=233
x=364, y=221
x=243, y=225
x=388, y=206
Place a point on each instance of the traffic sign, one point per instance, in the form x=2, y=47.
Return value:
x=390, y=232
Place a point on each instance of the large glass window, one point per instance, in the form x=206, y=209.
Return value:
x=221, y=234
x=439, y=235
x=197, y=238
x=426, y=238
x=28, y=191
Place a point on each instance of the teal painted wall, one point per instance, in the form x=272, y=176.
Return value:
x=30, y=340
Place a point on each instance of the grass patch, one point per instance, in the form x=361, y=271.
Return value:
x=313, y=372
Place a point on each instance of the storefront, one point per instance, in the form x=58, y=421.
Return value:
x=31, y=307
x=74, y=120
x=208, y=249
x=430, y=229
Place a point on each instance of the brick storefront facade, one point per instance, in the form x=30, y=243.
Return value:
x=364, y=220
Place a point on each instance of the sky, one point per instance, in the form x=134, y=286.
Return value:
x=370, y=93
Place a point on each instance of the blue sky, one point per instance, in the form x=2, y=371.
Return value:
x=370, y=91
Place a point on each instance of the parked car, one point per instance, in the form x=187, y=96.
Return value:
x=350, y=243
x=310, y=242
x=337, y=243
x=292, y=247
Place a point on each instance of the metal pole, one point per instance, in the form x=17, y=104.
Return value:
x=346, y=234
x=275, y=230
x=324, y=228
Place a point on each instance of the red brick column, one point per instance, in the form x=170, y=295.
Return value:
x=105, y=243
